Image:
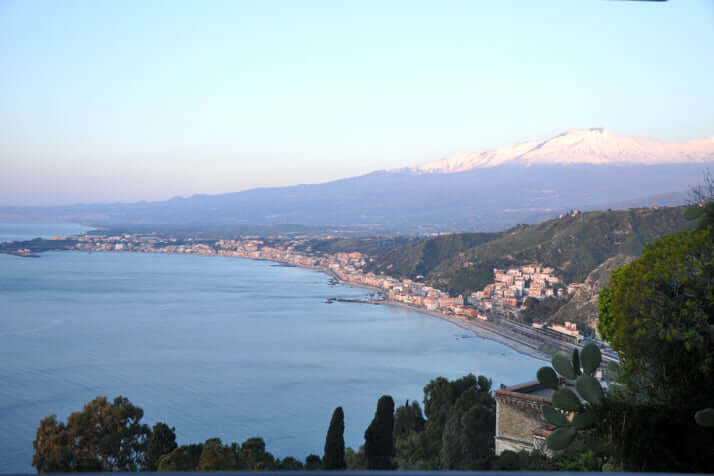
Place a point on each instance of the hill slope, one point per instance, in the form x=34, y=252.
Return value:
x=574, y=245
x=418, y=259
x=582, y=308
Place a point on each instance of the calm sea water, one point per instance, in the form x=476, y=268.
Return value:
x=216, y=347
x=12, y=231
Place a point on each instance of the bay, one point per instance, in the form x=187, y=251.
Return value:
x=215, y=346
x=21, y=231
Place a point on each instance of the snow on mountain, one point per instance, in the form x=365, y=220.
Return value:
x=584, y=146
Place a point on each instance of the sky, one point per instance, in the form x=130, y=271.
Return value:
x=146, y=100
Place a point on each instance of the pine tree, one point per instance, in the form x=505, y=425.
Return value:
x=379, y=442
x=335, y=442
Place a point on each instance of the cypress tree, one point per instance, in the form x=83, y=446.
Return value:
x=335, y=442
x=378, y=439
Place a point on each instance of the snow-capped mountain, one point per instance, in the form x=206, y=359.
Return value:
x=491, y=190
x=585, y=146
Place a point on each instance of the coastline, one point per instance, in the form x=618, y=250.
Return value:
x=478, y=328
x=483, y=329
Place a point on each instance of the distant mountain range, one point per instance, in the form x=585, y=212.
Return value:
x=586, y=146
x=482, y=191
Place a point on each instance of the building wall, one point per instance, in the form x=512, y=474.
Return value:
x=518, y=414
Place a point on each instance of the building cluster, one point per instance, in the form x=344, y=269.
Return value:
x=505, y=297
x=513, y=286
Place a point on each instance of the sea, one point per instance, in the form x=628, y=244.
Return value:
x=214, y=346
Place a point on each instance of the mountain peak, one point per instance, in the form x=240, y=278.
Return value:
x=594, y=145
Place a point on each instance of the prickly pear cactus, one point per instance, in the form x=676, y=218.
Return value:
x=705, y=417
x=579, y=367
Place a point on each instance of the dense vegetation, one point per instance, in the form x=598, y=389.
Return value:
x=539, y=310
x=418, y=259
x=658, y=313
x=371, y=246
x=574, y=245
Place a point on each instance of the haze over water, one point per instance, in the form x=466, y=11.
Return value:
x=216, y=347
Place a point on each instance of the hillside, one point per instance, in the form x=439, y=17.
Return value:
x=574, y=245
x=582, y=308
x=418, y=259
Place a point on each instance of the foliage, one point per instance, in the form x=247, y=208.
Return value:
x=418, y=259
x=162, y=441
x=371, y=246
x=702, y=203
x=103, y=436
x=253, y=455
x=459, y=430
x=356, y=460
x=574, y=245
x=658, y=313
x=335, y=442
x=538, y=310
x=468, y=438
x=290, y=464
x=216, y=457
x=642, y=436
x=183, y=458
x=705, y=417
x=313, y=463
x=408, y=419
x=378, y=439
x=579, y=367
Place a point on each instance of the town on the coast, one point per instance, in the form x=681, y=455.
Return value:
x=496, y=307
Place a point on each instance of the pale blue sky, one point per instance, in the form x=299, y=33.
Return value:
x=129, y=100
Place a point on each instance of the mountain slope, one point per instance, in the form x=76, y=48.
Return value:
x=574, y=245
x=527, y=183
x=418, y=259
x=582, y=308
x=586, y=146
x=482, y=199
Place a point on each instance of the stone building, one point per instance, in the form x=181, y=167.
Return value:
x=520, y=425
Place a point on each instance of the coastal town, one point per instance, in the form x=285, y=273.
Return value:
x=495, y=307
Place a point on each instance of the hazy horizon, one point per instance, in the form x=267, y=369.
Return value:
x=139, y=101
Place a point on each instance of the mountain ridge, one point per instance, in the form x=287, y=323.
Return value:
x=595, y=146
x=574, y=245
x=481, y=199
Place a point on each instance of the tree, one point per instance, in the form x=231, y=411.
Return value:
x=313, y=463
x=290, y=464
x=468, y=438
x=408, y=419
x=253, y=455
x=356, y=460
x=379, y=442
x=162, y=441
x=448, y=404
x=702, y=202
x=102, y=437
x=183, y=458
x=53, y=448
x=216, y=457
x=659, y=315
x=335, y=442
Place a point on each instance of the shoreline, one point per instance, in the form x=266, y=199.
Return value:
x=484, y=330
x=479, y=329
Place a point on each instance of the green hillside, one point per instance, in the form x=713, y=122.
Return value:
x=574, y=245
x=372, y=246
x=420, y=258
